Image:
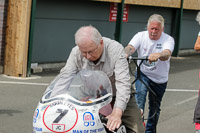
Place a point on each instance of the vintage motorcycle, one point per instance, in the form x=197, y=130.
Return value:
x=78, y=107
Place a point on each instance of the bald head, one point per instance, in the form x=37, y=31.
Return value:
x=90, y=42
x=87, y=33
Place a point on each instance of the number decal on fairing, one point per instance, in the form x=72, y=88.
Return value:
x=57, y=117
x=62, y=114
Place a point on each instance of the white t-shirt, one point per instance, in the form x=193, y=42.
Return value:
x=156, y=71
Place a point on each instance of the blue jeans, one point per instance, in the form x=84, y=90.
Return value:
x=154, y=103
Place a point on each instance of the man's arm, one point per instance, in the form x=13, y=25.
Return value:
x=197, y=44
x=129, y=50
x=122, y=83
x=163, y=56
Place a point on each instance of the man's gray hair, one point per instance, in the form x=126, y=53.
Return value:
x=198, y=17
x=88, y=31
x=157, y=18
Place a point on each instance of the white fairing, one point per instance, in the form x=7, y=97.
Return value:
x=76, y=108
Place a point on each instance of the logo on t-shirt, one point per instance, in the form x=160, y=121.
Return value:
x=148, y=64
x=158, y=46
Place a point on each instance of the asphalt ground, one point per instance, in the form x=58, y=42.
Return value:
x=19, y=98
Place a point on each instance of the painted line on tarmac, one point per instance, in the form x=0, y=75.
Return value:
x=28, y=83
x=187, y=100
x=23, y=83
x=22, y=78
x=181, y=90
x=45, y=84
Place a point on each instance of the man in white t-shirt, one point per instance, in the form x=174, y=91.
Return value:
x=158, y=46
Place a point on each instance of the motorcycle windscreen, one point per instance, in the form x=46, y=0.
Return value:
x=84, y=86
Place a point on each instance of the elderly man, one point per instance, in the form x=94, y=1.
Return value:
x=95, y=52
x=158, y=46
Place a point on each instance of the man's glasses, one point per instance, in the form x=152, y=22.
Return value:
x=90, y=52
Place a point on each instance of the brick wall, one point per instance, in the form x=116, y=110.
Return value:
x=3, y=18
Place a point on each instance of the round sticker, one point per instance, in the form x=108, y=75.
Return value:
x=60, y=116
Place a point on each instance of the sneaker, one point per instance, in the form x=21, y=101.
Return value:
x=197, y=127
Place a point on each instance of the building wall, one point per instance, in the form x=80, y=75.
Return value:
x=57, y=21
x=3, y=16
x=189, y=29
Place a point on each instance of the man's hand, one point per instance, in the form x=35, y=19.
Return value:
x=114, y=119
x=129, y=50
x=163, y=56
x=154, y=57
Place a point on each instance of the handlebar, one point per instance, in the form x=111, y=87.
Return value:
x=130, y=58
x=137, y=58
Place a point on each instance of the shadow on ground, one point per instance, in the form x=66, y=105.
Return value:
x=9, y=112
